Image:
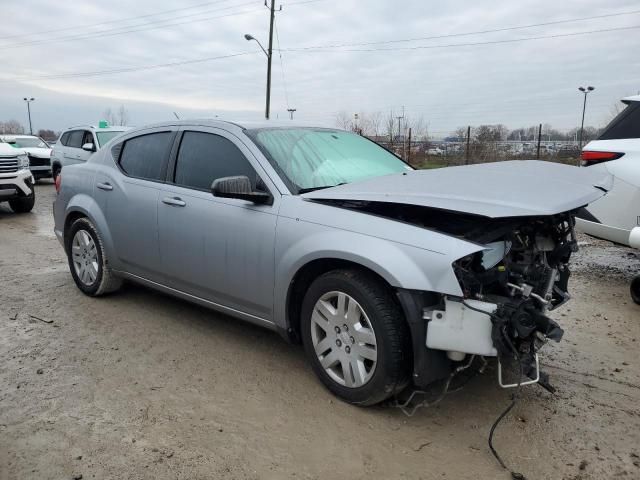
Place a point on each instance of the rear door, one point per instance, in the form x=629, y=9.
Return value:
x=215, y=248
x=129, y=196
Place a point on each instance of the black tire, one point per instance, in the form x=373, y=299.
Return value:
x=106, y=281
x=55, y=171
x=635, y=289
x=23, y=204
x=394, y=357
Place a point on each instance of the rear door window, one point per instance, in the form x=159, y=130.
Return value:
x=205, y=157
x=625, y=125
x=146, y=156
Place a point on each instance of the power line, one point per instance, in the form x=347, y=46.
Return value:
x=129, y=69
x=108, y=22
x=451, y=45
x=134, y=28
x=477, y=32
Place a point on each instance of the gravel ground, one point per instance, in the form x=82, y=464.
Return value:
x=140, y=385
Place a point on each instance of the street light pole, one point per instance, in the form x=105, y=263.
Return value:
x=291, y=110
x=584, y=107
x=268, y=53
x=29, y=100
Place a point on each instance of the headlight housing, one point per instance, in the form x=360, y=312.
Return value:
x=23, y=161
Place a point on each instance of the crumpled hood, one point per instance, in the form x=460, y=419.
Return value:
x=502, y=189
x=38, y=152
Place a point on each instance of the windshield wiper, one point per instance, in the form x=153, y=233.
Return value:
x=313, y=189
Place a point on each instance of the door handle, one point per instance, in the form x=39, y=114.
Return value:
x=175, y=201
x=105, y=186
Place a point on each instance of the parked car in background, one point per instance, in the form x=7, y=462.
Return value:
x=38, y=151
x=615, y=151
x=77, y=144
x=389, y=276
x=16, y=180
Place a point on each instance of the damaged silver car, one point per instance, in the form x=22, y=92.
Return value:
x=389, y=276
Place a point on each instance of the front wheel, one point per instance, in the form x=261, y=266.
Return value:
x=355, y=336
x=23, y=204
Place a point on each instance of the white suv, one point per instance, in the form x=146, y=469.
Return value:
x=77, y=144
x=617, y=150
x=16, y=180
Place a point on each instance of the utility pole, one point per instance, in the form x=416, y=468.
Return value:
x=29, y=100
x=467, y=150
x=291, y=110
x=409, y=149
x=539, y=138
x=269, y=56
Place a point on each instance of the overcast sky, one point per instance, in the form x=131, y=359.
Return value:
x=517, y=83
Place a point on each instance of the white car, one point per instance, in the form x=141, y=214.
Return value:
x=38, y=151
x=77, y=144
x=616, y=151
x=16, y=180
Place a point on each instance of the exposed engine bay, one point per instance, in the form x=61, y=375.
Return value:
x=507, y=289
x=525, y=273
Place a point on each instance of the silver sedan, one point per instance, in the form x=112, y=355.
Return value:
x=389, y=276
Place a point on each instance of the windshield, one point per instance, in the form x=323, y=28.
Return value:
x=313, y=158
x=104, y=137
x=29, y=142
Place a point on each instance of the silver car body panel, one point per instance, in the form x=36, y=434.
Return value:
x=501, y=189
x=241, y=258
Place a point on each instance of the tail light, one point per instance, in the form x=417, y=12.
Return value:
x=593, y=158
x=58, y=182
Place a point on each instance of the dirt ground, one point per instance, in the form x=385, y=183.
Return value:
x=139, y=385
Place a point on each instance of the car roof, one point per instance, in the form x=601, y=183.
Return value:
x=242, y=125
x=18, y=136
x=98, y=129
x=632, y=98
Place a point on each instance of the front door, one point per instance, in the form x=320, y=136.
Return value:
x=218, y=249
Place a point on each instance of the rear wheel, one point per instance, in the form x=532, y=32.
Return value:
x=87, y=260
x=355, y=336
x=23, y=204
x=55, y=171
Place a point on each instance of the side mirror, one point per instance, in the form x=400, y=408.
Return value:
x=89, y=147
x=239, y=187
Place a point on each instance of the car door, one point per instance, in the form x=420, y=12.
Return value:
x=72, y=148
x=128, y=195
x=218, y=249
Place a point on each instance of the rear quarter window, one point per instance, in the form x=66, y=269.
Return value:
x=625, y=125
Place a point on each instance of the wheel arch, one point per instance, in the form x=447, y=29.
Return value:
x=304, y=277
x=84, y=206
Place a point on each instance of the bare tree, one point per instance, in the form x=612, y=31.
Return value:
x=109, y=116
x=343, y=120
x=389, y=124
x=123, y=116
x=11, y=126
x=375, y=119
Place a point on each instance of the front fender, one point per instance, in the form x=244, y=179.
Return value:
x=401, y=265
